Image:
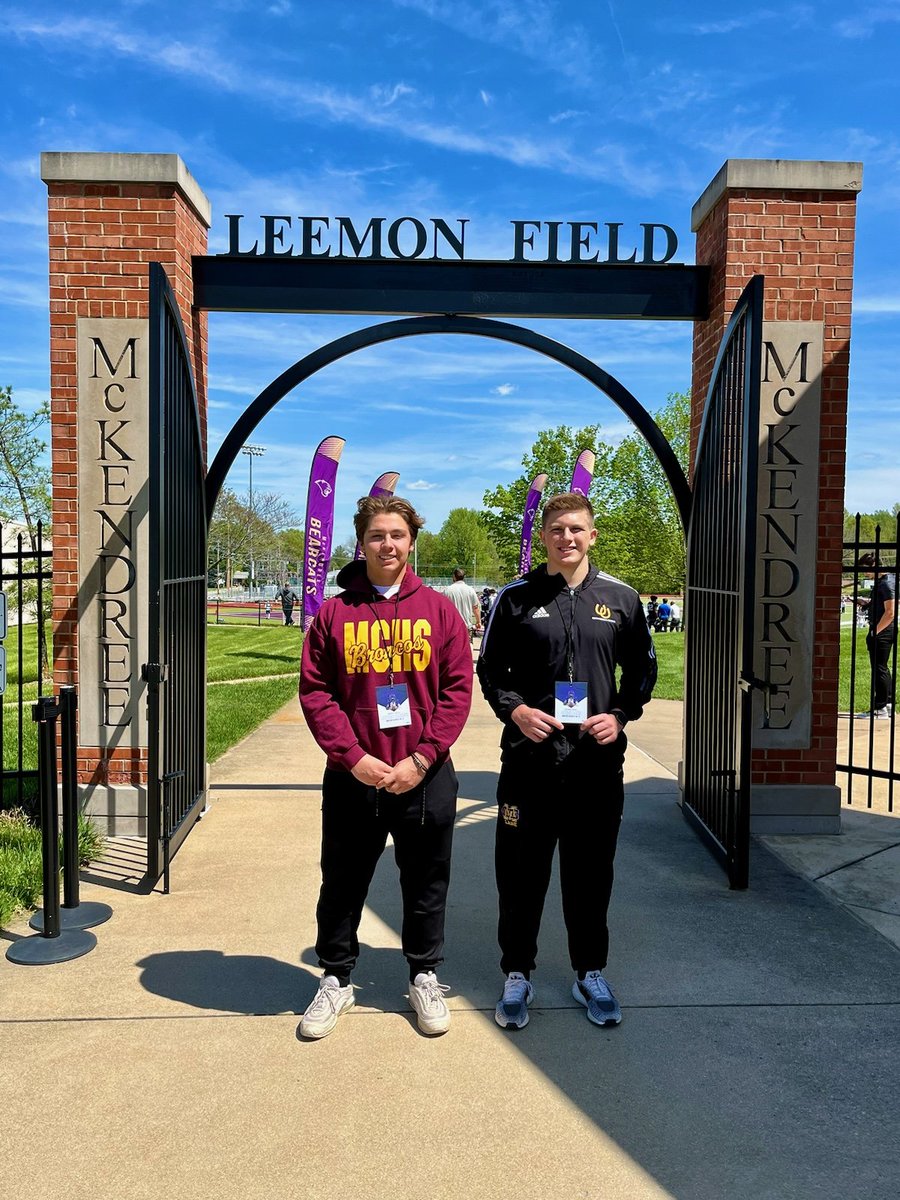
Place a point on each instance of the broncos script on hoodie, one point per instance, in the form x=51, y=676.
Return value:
x=351, y=645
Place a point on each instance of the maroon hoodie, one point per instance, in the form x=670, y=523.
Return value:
x=345, y=657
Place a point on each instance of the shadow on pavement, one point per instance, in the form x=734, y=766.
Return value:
x=758, y=1055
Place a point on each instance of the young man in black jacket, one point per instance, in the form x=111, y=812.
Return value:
x=548, y=665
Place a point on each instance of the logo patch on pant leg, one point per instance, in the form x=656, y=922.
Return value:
x=510, y=814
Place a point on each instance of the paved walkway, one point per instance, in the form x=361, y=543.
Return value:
x=758, y=1058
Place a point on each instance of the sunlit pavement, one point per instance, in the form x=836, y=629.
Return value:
x=757, y=1058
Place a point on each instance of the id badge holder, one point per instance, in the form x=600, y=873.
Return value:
x=571, y=702
x=392, y=702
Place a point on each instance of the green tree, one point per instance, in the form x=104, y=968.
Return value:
x=292, y=547
x=25, y=495
x=24, y=473
x=341, y=555
x=427, y=554
x=554, y=452
x=237, y=533
x=640, y=539
x=464, y=541
x=886, y=520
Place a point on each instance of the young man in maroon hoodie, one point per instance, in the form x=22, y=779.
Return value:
x=385, y=686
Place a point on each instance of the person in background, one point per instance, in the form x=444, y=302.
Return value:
x=548, y=668
x=485, y=601
x=880, y=638
x=288, y=598
x=465, y=601
x=663, y=613
x=674, y=617
x=385, y=686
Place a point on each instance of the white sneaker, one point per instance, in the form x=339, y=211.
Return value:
x=427, y=1001
x=882, y=714
x=327, y=1005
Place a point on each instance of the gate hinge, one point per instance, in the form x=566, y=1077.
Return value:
x=154, y=673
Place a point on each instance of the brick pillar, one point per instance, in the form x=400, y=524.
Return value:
x=109, y=216
x=794, y=223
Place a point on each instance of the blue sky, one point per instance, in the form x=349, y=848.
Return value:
x=492, y=110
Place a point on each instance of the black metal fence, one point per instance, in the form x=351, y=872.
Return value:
x=25, y=575
x=867, y=728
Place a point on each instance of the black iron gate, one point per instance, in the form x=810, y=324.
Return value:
x=719, y=597
x=176, y=669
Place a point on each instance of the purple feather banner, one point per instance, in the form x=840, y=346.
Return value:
x=319, y=525
x=532, y=502
x=383, y=486
x=583, y=473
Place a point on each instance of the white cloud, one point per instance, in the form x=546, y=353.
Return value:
x=863, y=24
x=505, y=389
x=623, y=165
x=569, y=114
x=486, y=98
x=420, y=485
x=877, y=304
x=387, y=96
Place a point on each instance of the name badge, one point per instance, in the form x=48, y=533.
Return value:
x=393, y=706
x=571, y=703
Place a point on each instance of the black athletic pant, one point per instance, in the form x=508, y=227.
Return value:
x=879, y=646
x=356, y=822
x=578, y=805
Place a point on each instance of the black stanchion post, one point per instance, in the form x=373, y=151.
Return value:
x=68, y=703
x=45, y=713
x=74, y=914
x=53, y=944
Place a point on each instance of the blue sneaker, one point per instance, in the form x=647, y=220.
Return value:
x=512, y=1007
x=595, y=994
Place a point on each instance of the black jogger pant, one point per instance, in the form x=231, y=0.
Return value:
x=356, y=821
x=576, y=804
x=879, y=646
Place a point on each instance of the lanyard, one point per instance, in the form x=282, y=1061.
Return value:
x=570, y=640
x=394, y=625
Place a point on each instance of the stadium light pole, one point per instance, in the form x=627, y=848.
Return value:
x=252, y=452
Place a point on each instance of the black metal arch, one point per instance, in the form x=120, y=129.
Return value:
x=389, y=331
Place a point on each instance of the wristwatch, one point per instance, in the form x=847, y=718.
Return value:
x=620, y=716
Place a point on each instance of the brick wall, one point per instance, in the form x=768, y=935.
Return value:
x=102, y=237
x=802, y=241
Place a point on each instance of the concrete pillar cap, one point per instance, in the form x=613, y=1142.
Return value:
x=78, y=167
x=777, y=174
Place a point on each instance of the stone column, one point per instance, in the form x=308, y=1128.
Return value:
x=109, y=216
x=794, y=223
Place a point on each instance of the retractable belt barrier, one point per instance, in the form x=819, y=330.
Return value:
x=63, y=932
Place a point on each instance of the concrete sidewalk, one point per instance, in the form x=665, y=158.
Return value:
x=758, y=1056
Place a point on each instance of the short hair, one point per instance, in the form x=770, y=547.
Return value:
x=368, y=507
x=564, y=503
x=458, y=574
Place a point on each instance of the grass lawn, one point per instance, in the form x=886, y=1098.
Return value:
x=245, y=651
x=21, y=872
x=670, y=657
x=234, y=710
x=669, y=649
x=239, y=700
